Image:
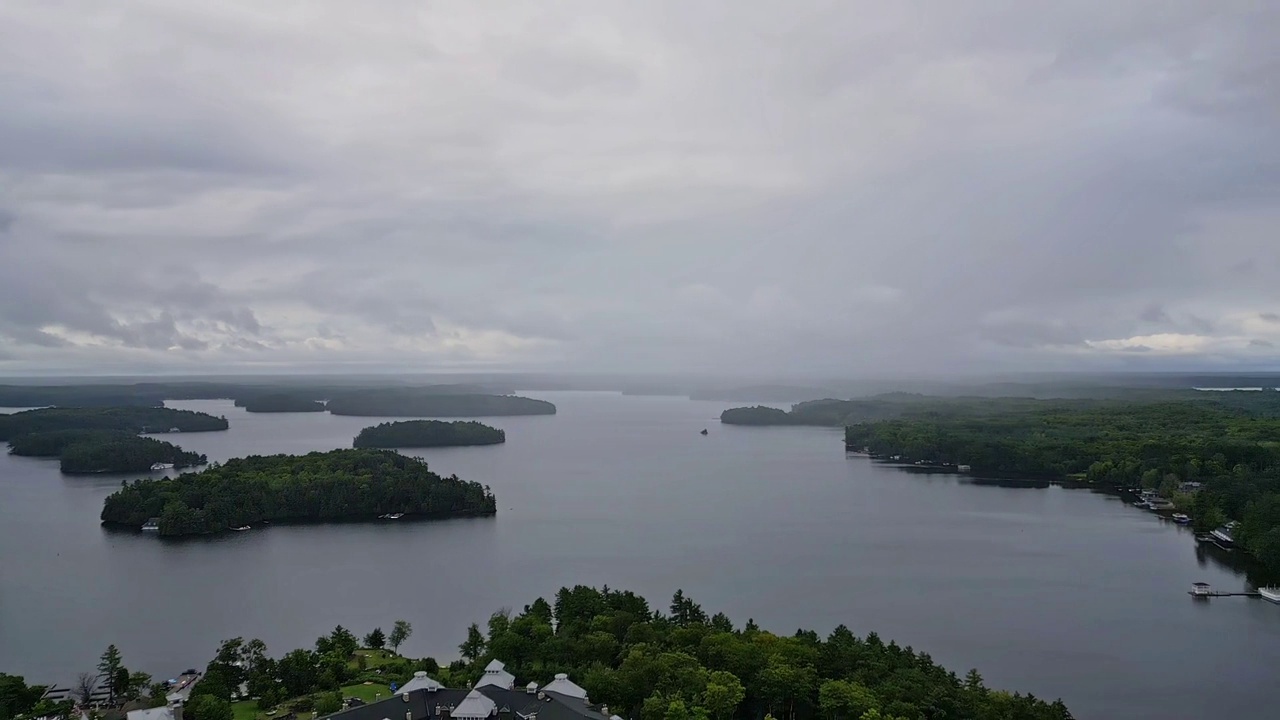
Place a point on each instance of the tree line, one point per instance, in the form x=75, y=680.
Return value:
x=423, y=402
x=317, y=487
x=428, y=433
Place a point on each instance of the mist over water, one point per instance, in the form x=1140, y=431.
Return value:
x=1053, y=591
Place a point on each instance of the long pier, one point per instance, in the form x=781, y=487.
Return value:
x=1215, y=593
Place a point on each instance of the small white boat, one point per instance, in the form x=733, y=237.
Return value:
x=1271, y=594
x=1181, y=518
x=392, y=516
x=151, y=525
x=242, y=528
x=161, y=466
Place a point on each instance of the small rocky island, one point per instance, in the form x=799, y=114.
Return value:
x=429, y=433
x=320, y=487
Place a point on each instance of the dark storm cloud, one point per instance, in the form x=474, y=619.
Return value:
x=811, y=187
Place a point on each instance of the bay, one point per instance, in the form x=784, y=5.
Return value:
x=1063, y=593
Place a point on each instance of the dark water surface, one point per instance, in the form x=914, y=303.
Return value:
x=1064, y=593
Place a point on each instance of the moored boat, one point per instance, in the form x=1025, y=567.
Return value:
x=151, y=525
x=1181, y=518
x=1271, y=594
x=161, y=466
x=242, y=528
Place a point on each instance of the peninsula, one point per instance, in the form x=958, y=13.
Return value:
x=132, y=420
x=428, y=433
x=320, y=487
x=102, y=451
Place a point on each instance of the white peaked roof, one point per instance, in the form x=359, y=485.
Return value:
x=161, y=713
x=420, y=681
x=495, y=673
x=475, y=706
x=563, y=685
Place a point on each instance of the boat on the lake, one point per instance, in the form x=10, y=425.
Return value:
x=161, y=466
x=391, y=516
x=151, y=525
x=1270, y=594
x=242, y=528
x=1181, y=518
x=704, y=431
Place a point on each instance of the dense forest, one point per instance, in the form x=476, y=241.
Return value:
x=318, y=487
x=279, y=403
x=428, y=433
x=404, y=403
x=644, y=663
x=124, y=419
x=96, y=451
x=1230, y=446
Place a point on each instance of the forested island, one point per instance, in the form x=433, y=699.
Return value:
x=673, y=663
x=1218, y=460
x=131, y=420
x=101, y=451
x=428, y=433
x=358, y=484
x=406, y=403
x=279, y=403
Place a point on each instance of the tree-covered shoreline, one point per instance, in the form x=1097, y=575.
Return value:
x=279, y=403
x=99, y=451
x=132, y=420
x=1218, y=461
x=318, y=487
x=409, y=403
x=428, y=433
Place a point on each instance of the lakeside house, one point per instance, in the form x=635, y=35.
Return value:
x=165, y=712
x=494, y=697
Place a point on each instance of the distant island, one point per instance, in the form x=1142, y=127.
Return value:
x=279, y=403
x=131, y=420
x=101, y=451
x=407, y=403
x=334, y=486
x=428, y=433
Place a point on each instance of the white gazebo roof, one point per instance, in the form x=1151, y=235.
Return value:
x=495, y=673
x=475, y=706
x=563, y=685
x=420, y=681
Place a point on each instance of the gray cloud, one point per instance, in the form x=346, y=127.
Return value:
x=852, y=187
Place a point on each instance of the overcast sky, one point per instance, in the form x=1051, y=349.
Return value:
x=775, y=187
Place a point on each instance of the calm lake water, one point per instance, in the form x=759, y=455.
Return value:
x=1063, y=593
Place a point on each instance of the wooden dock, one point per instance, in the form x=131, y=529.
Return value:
x=1215, y=593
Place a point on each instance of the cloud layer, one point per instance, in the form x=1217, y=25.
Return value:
x=796, y=187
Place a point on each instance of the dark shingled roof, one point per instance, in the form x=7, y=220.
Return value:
x=512, y=705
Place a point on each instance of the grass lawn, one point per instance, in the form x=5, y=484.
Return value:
x=245, y=710
x=376, y=658
x=365, y=692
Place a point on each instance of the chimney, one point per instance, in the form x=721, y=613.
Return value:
x=531, y=688
x=408, y=715
x=604, y=710
x=404, y=696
